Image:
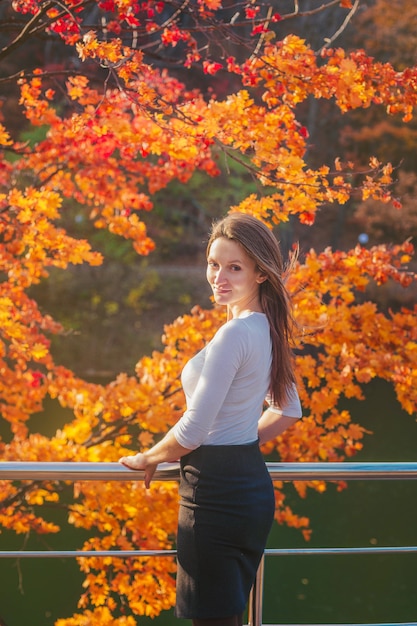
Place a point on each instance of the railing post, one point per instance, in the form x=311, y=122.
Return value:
x=256, y=597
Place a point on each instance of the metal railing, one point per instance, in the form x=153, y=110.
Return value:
x=68, y=471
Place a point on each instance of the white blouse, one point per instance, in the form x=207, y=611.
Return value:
x=226, y=385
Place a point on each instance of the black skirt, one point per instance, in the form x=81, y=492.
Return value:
x=226, y=511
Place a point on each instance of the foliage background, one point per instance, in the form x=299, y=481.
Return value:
x=105, y=141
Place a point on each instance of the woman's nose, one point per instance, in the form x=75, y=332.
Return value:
x=218, y=276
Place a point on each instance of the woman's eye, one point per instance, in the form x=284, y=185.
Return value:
x=236, y=268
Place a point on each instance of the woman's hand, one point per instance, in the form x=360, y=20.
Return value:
x=166, y=450
x=140, y=462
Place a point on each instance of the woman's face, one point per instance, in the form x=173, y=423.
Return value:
x=233, y=276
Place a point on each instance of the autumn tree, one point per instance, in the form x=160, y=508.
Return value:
x=141, y=95
x=387, y=31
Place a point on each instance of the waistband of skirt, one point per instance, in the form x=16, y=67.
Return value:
x=219, y=455
x=231, y=446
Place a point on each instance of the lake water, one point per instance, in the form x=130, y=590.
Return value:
x=298, y=589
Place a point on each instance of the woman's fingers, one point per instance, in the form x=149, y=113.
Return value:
x=136, y=462
x=149, y=472
x=139, y=462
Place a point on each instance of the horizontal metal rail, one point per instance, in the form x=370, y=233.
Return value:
x=122, y=554
x=73, y=471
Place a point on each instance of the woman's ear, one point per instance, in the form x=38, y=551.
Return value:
x=261, y=278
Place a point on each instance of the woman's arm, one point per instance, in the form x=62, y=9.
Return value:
x=166, y=450
x=220, y=364
x=272, y=424
x=275, y=420
x=222, y=359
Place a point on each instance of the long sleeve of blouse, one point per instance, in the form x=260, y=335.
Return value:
x=226, y=385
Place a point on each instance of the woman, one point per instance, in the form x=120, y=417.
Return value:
x=227, y=499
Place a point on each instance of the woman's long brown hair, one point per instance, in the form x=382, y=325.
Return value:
x=261, y=245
